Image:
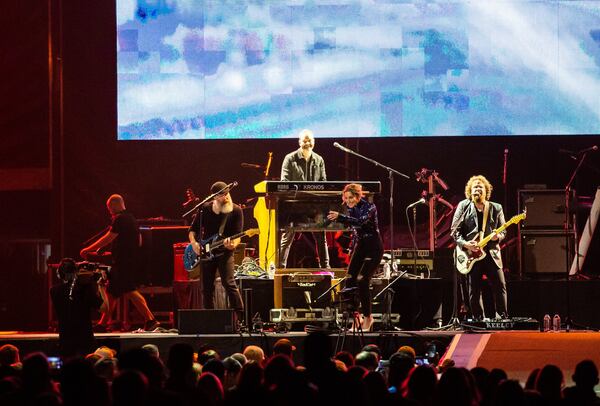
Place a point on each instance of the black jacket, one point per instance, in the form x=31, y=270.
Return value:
x=296, y=168
x=465, y=226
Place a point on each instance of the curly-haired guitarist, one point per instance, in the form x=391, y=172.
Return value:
x=476, y=218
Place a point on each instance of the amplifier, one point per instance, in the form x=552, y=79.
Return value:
x=545, y=252
x=409, y=253
x=301, y=289
x=545, y=208
x=419, y=262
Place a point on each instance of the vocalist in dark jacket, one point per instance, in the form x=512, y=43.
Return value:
x=475, y=218
x=367, y=247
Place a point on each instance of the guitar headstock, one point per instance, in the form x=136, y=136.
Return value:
x=252, y=232
x=519, y=217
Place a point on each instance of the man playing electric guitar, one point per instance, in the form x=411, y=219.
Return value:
x=475, y=218
x=224, y=218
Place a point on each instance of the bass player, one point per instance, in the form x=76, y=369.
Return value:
x=223, y=217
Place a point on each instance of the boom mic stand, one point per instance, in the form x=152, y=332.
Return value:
x=389, y=298
x=210, y=197
x=454, y=324
x=571, y=227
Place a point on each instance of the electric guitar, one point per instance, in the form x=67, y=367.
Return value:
x=207, y=248
x=465, y=259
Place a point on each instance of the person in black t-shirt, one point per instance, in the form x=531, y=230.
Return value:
x=224, y=218
x=126, y=240
x=74, y=299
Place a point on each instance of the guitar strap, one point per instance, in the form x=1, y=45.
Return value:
x=486, y=212
x=222, y=226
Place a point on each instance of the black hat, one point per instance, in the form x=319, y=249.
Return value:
x=219, y=186
x=66, y=268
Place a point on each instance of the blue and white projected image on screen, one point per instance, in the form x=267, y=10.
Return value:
x=191, y=69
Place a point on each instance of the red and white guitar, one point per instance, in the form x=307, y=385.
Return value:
x=465, y=259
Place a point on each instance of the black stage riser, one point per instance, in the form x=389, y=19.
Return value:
x=535, y=298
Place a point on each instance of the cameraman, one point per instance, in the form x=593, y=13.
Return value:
x=74, y=298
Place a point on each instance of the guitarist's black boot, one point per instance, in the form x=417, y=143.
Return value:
x=238, y=321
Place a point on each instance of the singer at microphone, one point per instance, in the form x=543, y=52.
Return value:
x=367, y=245
x=477, y=218
x=220, y=219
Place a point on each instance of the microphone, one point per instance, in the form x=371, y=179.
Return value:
x=504, y=169
x=420, y=201
x=226, y=188
x=307, y=298
x=586, y=150
x=253, y=166
x=339, y=146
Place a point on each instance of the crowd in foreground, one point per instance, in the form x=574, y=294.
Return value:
x=139, y=376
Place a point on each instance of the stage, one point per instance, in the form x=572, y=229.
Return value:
x=517, y=352
x=227, y=344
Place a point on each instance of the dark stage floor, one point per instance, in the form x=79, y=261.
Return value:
x=517, y=352
x=228, y=344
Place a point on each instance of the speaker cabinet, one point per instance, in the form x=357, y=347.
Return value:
x=544, y=253
x=213, y=321
x=157, y=253
x=545, y=208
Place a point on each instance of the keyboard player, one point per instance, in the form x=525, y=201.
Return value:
x=304, y=164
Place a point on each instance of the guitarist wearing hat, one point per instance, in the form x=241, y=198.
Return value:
x=224, y=218
x=476, y=218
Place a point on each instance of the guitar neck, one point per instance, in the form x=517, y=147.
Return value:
x=503, y=227
x=217, y=244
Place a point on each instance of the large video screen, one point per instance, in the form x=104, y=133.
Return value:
x=219, y=69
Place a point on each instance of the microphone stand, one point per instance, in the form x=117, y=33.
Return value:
x=207, y=199
x=391, y=173
x=389, y=298
x=324, y=294
x=567, y=227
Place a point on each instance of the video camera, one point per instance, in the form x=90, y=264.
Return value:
x=68, y=269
